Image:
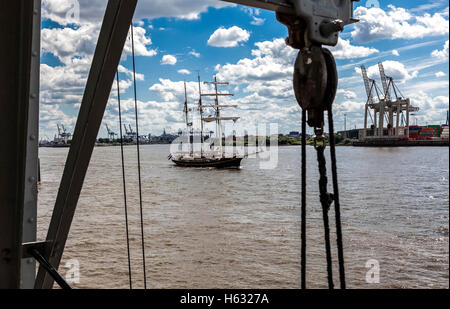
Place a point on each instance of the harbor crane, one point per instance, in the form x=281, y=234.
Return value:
x=384, y=82
x=111, y=134
x=387, y=108
x=63, y=135
x=129, y=133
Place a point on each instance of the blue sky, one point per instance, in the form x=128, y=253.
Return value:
x=174, y=38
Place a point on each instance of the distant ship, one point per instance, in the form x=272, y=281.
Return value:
x=211, y=153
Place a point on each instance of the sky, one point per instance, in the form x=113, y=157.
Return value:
x=175, y=39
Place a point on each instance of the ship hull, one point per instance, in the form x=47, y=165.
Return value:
x=218, y=163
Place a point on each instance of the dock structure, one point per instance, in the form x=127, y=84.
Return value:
x=387, y=110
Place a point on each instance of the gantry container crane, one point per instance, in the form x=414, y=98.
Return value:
x=387, y=108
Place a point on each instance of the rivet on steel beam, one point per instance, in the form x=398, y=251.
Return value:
x=31, y=220
x=33, y=96
x=31, y=179
x=32, y=137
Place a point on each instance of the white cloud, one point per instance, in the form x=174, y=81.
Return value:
x=129, y=73
x=141, y=41
x=440, y=74
x=266, y=77
x=253, y=13
x=394, y=69
x=349, y=106
x=396, y=23
x=344, y=50
x=230, y=37
x=184, y=71
x=93, y=11
x=441, y=54
x=169, y=59
x=173, y=91
x=395, y=52
x=348, y=94
x=194, y=53
x=432, y=108
x=272, y=60
x=67, y=43
x=257, y=21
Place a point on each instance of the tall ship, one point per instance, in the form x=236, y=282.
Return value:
x=211, y=152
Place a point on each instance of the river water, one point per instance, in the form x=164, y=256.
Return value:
x=209, y=228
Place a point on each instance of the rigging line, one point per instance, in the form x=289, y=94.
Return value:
x=139, y=159
x=337, y=205
x=303, y=207
x=124, y=183
x=325, y=200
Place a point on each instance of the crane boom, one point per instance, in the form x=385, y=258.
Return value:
x=384, y=82
x=367, y=84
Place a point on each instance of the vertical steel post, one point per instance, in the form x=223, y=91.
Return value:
x=375, y=126
x=16, y=25
x=31, y=166
x=381, y=119
x=366, y=110
x=116, y=23
x=407, y=117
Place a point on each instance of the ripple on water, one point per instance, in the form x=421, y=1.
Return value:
x=208, y=228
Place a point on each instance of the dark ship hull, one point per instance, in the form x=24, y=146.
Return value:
x=209, y=162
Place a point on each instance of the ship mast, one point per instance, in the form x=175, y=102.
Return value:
x=218, y=119
x=188, y=124
x=186, y=106
x=200, y=109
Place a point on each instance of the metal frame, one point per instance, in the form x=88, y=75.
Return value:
x=16, y=27
x=31, y=166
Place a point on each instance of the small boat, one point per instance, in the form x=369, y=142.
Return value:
x=211, y=154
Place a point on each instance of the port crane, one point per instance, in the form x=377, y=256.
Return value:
x=311, y=24
x=386, y=109
x=63, y=135
x=129, y=133
x=111, y=134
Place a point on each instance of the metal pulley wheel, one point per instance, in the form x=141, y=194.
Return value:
x=315, y=82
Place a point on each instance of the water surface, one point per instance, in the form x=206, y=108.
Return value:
x=209, y=228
